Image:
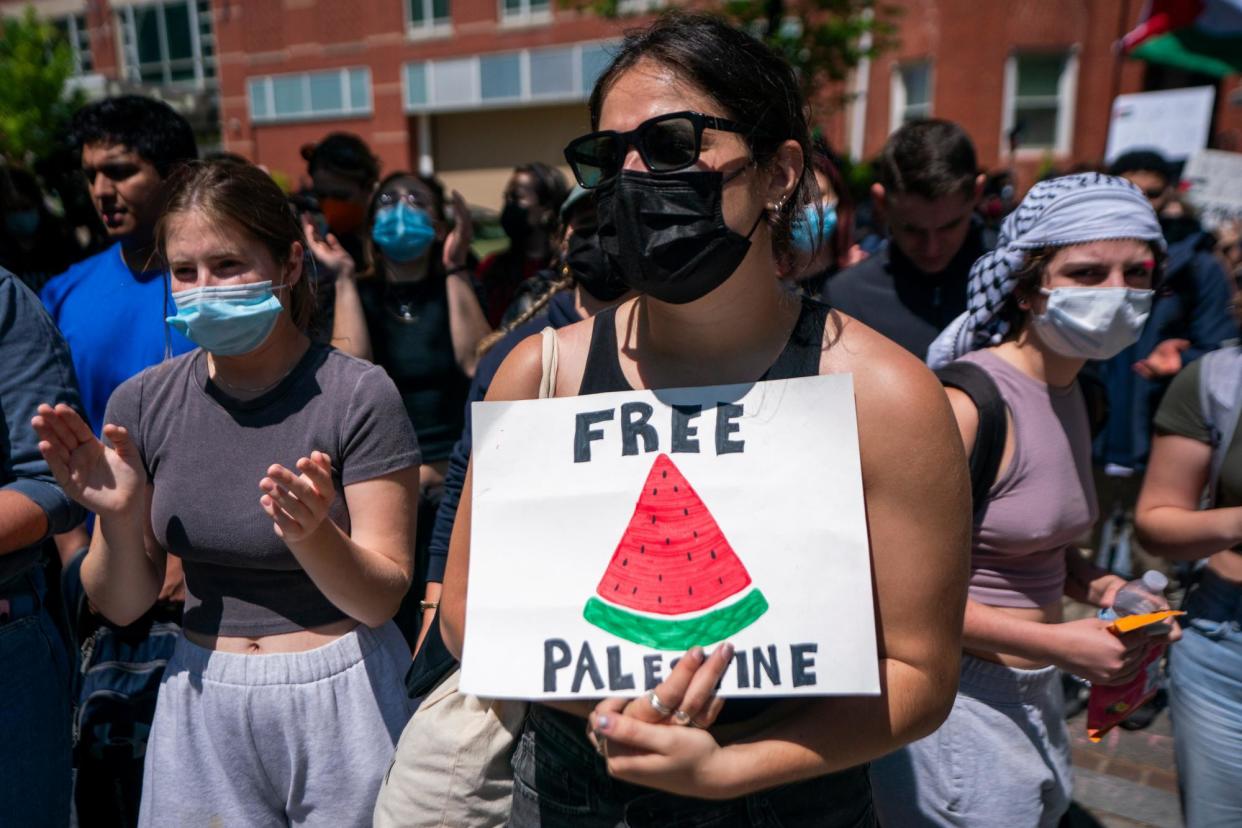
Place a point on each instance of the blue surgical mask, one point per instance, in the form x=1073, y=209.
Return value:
x=813, y=227
x=403, y=233
x=227, y=320
x=23, y=223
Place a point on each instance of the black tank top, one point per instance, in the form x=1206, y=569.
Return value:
x=800, y=358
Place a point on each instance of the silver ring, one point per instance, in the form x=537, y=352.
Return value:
x=681, y=717
x=657, y=705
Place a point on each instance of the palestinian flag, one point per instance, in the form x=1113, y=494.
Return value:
x=1199, y=35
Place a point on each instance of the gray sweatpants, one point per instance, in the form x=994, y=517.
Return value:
x=276, y=740
x=1001, y=758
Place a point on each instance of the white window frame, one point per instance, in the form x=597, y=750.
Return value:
x=127, y=43
x=898, y=99
x=1066, y=101
x=639, y=6
x=475, y=100
x=431, y=26
x=524, y=16
x=348, y=110
x=76, y=34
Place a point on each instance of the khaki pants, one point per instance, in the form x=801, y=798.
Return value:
x=452, y=766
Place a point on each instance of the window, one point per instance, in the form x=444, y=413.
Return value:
x=168, y=43
x=310, y=96
x=424, y=17
x=525, y=11
x=911, y=94
x=531, y=76
x=1039, y=92
x=73, y=29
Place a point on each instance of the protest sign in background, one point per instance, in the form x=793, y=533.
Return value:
x=1213, y=180
x=611, y=532
x=1174, y=122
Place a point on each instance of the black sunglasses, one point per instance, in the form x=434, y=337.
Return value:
x=666, y=143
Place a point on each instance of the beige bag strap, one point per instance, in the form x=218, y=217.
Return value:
x=547, y=383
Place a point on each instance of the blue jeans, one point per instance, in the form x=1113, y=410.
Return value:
x=1205, y=702
x=35, y=765
x=560, y=782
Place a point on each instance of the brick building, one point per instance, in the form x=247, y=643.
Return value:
x=468, y=88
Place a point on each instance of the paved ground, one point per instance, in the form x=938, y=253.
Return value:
x=1128, y=780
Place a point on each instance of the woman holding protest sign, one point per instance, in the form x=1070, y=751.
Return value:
x=699, y=166
x=284, y=474
x=1070, y=281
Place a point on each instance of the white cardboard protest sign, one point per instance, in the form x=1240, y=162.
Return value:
x=611, y=532
x=1174, y=122
x=1214, y=186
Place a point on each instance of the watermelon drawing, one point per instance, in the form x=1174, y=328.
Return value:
x=674, y=581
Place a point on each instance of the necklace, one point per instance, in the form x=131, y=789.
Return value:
x=215, y=377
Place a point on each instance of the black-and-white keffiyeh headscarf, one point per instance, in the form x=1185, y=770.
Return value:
x=1073, y=209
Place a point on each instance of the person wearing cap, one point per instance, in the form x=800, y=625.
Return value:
x=1070, y=280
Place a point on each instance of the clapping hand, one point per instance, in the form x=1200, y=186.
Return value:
x=457, y=244
x=106, y=480
x=298, y=503
x=328, y=251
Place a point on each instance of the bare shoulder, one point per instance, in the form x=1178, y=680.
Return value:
x=518, y=376
x=886, y=376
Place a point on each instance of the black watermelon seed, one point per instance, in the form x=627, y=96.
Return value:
x=642, y=550
x=660, y=577
x=653, y=519
x=685, y=511
x=688, y=556
x=634, y=591
x=625, y=561
x=689, y=590
x=664, y=474
x=721, y=579
x=659, y=599
x=713, y=554
x=617, y=587
x=696, y=533
x=666, y=541
x=655, y=491
x=674, y=488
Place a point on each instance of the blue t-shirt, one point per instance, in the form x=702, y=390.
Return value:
x=114, y=323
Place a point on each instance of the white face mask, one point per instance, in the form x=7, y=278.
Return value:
x=1092, y=322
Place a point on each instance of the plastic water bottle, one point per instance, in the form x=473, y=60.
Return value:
x=1138, y=597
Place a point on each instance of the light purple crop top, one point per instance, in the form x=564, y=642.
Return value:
x=1043, y=502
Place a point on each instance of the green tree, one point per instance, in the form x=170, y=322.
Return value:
x=822, y=39
x=35, y=63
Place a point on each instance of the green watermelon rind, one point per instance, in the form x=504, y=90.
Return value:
x=671, y=634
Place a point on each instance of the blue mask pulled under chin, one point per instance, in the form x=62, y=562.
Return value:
x=227, y=320
x=403, y=233
x=813, y=227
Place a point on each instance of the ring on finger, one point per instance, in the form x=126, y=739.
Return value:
x=657, y=705
x=681, y=717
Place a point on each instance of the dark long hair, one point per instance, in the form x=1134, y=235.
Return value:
x=752, y=84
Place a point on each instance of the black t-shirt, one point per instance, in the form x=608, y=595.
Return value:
x=888, y=293
x=411, y=339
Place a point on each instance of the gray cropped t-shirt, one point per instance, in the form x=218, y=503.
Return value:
x=205, y=453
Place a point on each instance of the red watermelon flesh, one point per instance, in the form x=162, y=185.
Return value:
x=673, y=558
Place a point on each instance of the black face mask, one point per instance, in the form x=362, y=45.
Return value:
x=515, y=221
x=589, y=267
x=665, y=235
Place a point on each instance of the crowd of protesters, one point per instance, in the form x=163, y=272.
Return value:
x=236, y=471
